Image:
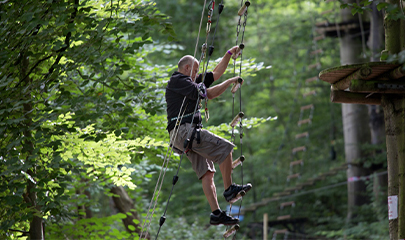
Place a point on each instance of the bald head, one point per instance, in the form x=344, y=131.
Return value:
x=186, y=60
x=186, y=64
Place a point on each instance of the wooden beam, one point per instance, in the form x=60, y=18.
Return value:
x=298, y=162
x=318, y=51
x=307, y=107
x=315, y=65
x=320, y=37
x=337, y=96
x=312, y=79
x=301, y=135
x=284, y=217
x=326, y=12
x=313, y=92
x=344, y=83
x=378, y=86
x=397, y=72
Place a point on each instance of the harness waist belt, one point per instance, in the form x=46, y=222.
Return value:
x=186, y=115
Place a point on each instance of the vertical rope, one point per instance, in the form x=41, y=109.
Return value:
x=363, y=41
x=238, y=29
x=169, y=150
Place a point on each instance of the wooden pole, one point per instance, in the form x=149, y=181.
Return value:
x=377, y=86
x=393, y=129
x=265, y=224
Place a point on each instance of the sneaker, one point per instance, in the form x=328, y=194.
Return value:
x=234, y=189
x=222, y=218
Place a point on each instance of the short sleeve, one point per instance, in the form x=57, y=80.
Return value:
x=209, y=79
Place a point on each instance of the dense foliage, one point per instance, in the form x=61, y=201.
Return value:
x=82, y=111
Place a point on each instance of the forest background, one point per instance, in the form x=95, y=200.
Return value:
x=83, y=119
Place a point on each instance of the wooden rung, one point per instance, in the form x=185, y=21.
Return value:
x=301, y=135
x=280, y=231
x=313, y=92
x=297, y=175
x=286, y=204
x=307, y=183
x=239, y=196
x=293, y=188
x=323, y=23
x=236, y=85
x=237, y=119
x=328, y=174
x=326, y=12
x=284, y=217
x=298, y=162
x=299, y=149
x=318, y=178
x=231, y=231
x=238, y=161
x=312, y=79
x=243, y=9
x=344, y=167
x=280, y=194
x=320, y=37
x=305, y=121
x=315, y=65
x=307, y=107
x=318, y=51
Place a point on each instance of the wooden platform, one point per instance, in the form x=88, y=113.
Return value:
x=330, y=29
x=364, y=83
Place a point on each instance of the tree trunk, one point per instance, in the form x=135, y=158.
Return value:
x=394, y=128
x=36, y=226
x=394, y=111
x=84, y=208
x=375, y=112
x=125, y=205
x=355, y=119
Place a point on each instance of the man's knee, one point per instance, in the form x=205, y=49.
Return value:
x=227, y=157
x=208, y=175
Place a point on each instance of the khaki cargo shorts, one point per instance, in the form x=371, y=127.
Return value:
x=212, y=149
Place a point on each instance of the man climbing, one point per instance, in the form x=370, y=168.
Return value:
x=204, y=148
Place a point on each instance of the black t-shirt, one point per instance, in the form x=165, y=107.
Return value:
x=179, y=86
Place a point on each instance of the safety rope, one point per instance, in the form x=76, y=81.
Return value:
x=363, y=41
x=188, y=141
x=169, y=149
x=179, y=119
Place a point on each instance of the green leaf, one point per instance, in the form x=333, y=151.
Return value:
x=382, y=5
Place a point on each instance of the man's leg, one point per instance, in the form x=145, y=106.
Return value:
x=231, y=190
x=217, y=216
x=210, y=190
x=226, y=170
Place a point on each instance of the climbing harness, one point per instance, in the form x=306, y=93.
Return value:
x=156, y=193
x=184, y=116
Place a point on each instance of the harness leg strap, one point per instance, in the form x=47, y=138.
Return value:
x=198, y=135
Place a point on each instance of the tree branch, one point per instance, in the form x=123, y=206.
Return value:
x=103, y=83
x=67, y=41
x=32, y=69
x=24, y=233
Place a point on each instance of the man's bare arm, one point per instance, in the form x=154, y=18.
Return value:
x=218, y=89
x=223, y=64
